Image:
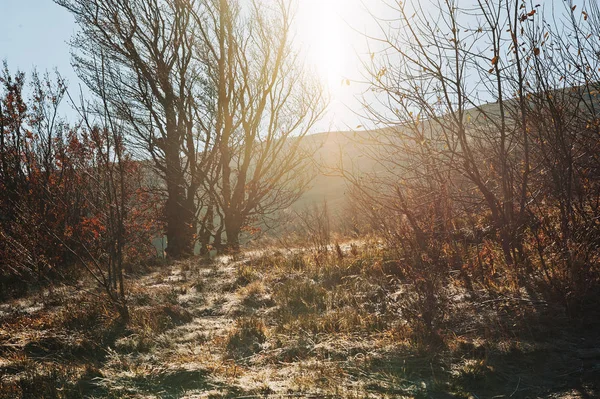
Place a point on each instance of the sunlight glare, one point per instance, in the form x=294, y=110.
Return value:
x=321, y=33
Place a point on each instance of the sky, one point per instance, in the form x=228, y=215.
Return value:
x=329, y=32
x=36, y=35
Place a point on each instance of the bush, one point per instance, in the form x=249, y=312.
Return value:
x=245, y=274
x=246, y=338
x=298, y=296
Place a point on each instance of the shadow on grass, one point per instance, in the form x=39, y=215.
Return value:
x=515, y=374
x=168, y=385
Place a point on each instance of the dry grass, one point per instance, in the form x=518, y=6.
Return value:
x=296, y=324
x=246, y=338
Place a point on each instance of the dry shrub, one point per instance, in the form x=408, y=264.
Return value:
x=297, y=261
x=340, y=320
x=136, y=343
x=255, y=289
x=245, y=274
x=335, y=295
x=300, y=295
x=48, y=381
x=313, y=225
x=246, y=338
x=567, y=272
x=485, y=266
x=159, y=318
x=422, y=298
x=86, y=315
x=255, y=295
x=297, y=347
x=199, y=283
x=96, y=320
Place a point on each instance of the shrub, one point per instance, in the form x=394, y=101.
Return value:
x=246, y=338
x=298, y=296
x=245, y=274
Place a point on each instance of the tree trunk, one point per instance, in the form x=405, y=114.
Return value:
x=233, y=228
x=179, y=229
x=179, y=219
x=206, y=229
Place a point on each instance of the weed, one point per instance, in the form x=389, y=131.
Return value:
x=298, y=296
x=246, y=338
x=245, y=274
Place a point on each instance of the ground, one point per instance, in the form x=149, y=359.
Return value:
x=276, y=325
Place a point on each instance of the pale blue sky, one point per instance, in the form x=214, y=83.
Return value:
x=35, y=33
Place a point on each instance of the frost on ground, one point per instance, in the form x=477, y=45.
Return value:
x=290, y=324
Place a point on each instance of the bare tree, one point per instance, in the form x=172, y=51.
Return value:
x=491, y=134
x=564, y=110
x=145, y=50
x=263, y=107
x=452, y=90
x=204, y=83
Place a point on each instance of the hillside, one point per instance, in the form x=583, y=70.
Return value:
x=357, y=150
x=351, y=149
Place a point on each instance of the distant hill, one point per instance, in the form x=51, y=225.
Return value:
x=353, y=148
x=334, y=149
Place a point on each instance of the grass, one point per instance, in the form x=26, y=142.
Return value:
x=246, y=338
x=297, y=324
x=52, y=351
x=326, y=305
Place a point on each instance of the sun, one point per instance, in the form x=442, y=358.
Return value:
x=328, y=35
x=321, y=33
